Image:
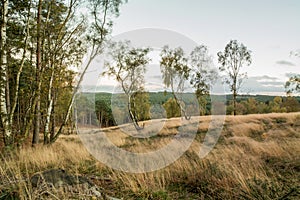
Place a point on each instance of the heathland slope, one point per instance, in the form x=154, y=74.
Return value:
x=256, y=157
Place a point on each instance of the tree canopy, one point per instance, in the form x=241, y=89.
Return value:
x=128, y=66
x=234, y=57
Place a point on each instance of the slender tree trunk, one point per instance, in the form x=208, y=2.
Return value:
x=7, y=93
x=53, y=124
x=29, y=110
x=234, y=97
x=35, y=139
x=37, y=122
x=29, y=113
x=234, y=103
x=47, y=123
x=132, y=116
x=7, y=129
x=101, y=118
x=183, y=111
x=49, y=109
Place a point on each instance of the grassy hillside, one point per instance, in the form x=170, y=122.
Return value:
x=257, y=157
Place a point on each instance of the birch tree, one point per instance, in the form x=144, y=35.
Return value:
x=102, y=13
x=63, y=47
x=7, y=129
x=232, y=60
x=41, y=43
x=15, y=17
x=127, y=67
x=175, y=72
x=203, y=75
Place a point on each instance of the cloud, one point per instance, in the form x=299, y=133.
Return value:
x=273, y=83
x=284, y=62
x=265, y=84
x=263, y=78
x=262, y=84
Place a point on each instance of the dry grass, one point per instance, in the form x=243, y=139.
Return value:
x=257, y=157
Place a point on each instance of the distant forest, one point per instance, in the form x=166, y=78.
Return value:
x=96, y=109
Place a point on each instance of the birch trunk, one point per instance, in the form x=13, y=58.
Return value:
x=7, y=129
x=49, y=110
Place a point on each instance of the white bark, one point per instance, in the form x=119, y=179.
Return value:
x=3, y=99
x=49, y=109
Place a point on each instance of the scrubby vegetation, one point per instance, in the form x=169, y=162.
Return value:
x=257, y=157
x=158, y=105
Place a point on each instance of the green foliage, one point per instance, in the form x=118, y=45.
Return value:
x=234, y=57
x=202, y=100
x=291, y=104
x=263, y=104
x=104, y=113
x=160, y=102
x=232, y=60
x=293, y=84
x=174, y=68
x=262, y=108
x=42, y=52
x=276, y=105
x=140, y=105
x=175, y=71
x=172, y=108
x=203, y=74
x=101, y=26
x=84, y=108
x=128, y=66
x=160, y=195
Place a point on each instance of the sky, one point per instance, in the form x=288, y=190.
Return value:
x=269, y=28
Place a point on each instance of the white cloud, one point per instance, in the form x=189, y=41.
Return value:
x=263, y=85
x=285, y=62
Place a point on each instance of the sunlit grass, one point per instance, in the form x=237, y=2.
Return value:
x=258, y=156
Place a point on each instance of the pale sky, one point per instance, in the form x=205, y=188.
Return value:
x=269, y=28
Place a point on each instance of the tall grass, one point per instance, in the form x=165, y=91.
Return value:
x=257, y=157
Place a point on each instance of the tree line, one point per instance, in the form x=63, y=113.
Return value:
x=179, y=70
x=42, y=45
x=157, y=105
